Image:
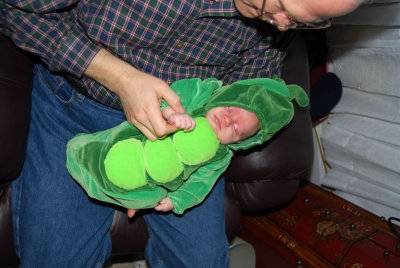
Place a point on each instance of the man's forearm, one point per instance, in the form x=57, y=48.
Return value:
x=110, y=71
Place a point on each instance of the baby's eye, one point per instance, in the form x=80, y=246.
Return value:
x=235, y=128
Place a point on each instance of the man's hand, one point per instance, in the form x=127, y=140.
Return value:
x=164, y=205
x=141, y=97
x=140, y=93
x=131, y=213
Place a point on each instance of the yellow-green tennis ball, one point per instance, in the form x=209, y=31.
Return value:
x=124, y=164
x=196, y=146
x=161, y=160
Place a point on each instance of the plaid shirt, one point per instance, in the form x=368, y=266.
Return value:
x=171, y=39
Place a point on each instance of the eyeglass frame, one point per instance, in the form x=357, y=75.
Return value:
x=266, y=16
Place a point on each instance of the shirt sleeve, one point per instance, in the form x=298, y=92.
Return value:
x=199, y=184
x=51, y=30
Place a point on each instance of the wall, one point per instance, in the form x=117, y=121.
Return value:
x=361, y=139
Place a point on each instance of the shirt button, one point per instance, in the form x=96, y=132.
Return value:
x=179, y=45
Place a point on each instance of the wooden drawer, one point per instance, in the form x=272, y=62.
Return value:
x=366, y=253
x=320, y=229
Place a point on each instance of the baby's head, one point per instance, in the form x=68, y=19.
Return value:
x=232, y=124
x=250, y=112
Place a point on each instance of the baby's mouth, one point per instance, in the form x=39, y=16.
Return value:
x=217, y=122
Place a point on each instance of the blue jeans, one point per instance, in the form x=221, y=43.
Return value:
x=57, y=225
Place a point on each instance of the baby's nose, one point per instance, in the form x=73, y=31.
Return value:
x=227, y=120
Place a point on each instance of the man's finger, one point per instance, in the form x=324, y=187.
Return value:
x=170, y=129
x=173, y=100
x=159, y=125
x=146, y=131
x=131, y=213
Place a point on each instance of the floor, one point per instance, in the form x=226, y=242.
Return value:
x=242, y=254
x=138, y=264
x=122, y=265
x=128, y=262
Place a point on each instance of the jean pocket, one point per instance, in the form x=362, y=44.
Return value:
x=56, y=84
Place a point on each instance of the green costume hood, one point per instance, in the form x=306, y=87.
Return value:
x=269, y=99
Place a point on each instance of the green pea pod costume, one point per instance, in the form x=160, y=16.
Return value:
x=120, y=166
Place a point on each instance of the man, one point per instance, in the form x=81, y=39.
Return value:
x=102, y=56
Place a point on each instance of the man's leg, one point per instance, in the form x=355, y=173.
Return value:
x=196, y=239
x=55, y=223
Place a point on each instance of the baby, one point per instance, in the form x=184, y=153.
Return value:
x=230, y=124
x=122, y=167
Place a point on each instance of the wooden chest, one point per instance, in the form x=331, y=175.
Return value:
x=320, y=229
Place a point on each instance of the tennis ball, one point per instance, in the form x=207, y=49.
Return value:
x=124, y=164
x=161, y=160
x=196, y=146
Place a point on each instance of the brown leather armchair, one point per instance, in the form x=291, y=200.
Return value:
x=262, y=178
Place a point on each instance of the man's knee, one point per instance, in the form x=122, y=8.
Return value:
x=211, y=252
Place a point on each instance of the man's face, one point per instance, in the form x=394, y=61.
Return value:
x=232, y=124
x=306, y=11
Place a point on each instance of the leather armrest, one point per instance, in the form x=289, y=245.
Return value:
x=15, y=104
x=7, y=253
x=269, y=175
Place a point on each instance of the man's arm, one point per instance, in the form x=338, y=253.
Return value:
x=47, y=29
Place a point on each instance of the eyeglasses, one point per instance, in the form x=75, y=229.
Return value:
x=290, y=23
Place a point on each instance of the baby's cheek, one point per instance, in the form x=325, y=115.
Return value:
x=223, y=139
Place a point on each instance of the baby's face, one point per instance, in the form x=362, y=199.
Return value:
x=232, y=124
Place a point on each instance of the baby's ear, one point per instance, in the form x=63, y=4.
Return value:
x=298, y=93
